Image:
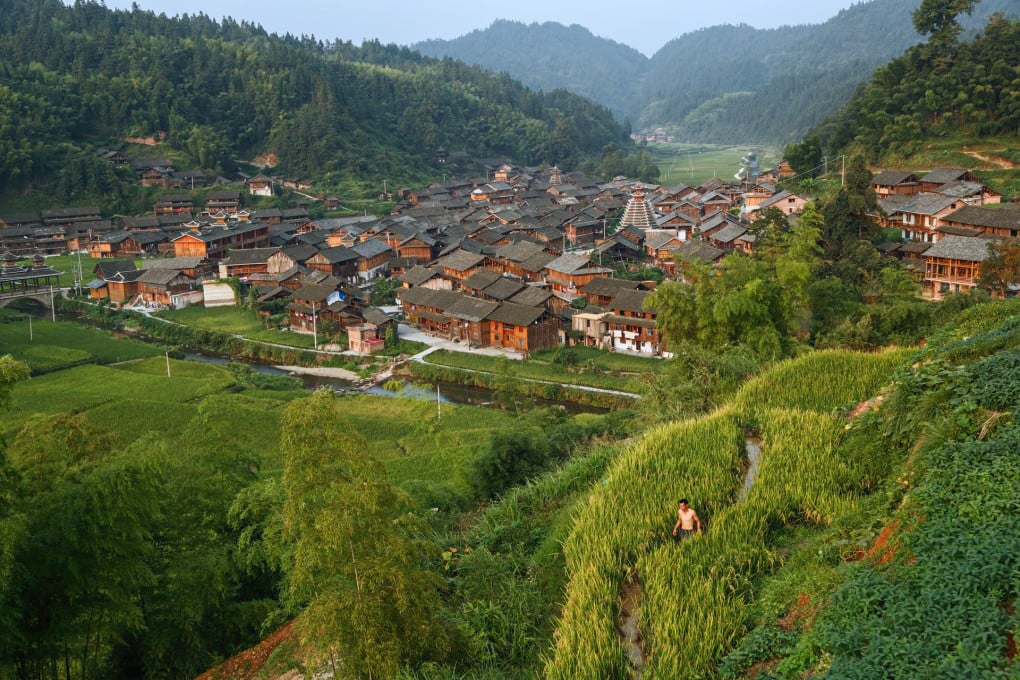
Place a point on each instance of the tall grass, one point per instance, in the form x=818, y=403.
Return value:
x=698, y=590
x=695, y=592
x=632, y=511
x=820, y=381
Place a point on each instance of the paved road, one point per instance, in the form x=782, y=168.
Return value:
x=409, y=333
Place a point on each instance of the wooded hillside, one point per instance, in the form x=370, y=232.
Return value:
x=725, y=84
x=76, y=77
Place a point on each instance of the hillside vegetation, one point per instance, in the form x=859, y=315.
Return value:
x=941, y=96
x=73, y=78
x=724, y=84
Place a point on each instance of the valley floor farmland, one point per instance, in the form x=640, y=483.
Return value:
x=694, y=164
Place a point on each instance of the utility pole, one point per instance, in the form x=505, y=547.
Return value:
x=30, y=328
x=53, y=306
x=315, y=331
x=842, y=174
x=168, y=363
x=439, y=404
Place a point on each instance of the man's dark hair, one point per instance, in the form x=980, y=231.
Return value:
x=683, y=501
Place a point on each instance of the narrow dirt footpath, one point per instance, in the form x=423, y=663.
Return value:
x=998, y=162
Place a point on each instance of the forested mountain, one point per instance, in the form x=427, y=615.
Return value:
x=74, y=77
x=720, y=84
x=942, y=88
x=549, y=55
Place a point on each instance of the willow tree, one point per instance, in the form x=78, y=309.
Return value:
x=359, y=565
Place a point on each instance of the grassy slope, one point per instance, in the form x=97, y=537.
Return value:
x=995, y=160
x=428, y=456
x=623, y=528
x=593, y=372
x=238, y=321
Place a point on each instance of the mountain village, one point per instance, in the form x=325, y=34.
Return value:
x=520, y=259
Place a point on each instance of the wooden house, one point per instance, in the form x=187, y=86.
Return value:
x=952, y=265
x=426, y=309
x=425, y=277
x=373, y=258
x=174, y=204
x=225, y=201
x=521, y=328
x=469, y=319
x=569, y=274
x=461, y=264
x=243, y=262
x=918, y=217
x=1003, y=221
x=215, y=243
x=420, y=247
x=932, y=180
x=479, y=281
x=340, y=262
x=631, y=327
x=192, y=267
x=601, y=291
x=158, y=287
x=260, y=185
x=659, y=247
x=895, y=182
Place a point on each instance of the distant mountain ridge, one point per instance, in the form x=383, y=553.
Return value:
x=720, y=84
x=550, y=56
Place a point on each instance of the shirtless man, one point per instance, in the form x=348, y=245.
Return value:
x=687, y=521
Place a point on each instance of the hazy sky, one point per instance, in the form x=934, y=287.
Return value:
x=646, y=27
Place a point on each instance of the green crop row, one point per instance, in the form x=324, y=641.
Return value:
x=631, y=513
x=199, y=339
x=696, y=590
x=820, y=381
x=98, y=346
x=535, y=370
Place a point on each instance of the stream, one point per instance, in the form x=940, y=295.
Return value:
x=627, y=627
x=753, y=447
x=449, y=393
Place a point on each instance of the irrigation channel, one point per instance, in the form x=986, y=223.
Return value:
x=627, y=628
x=449, y=393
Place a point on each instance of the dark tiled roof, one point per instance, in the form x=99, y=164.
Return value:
x=607, y=287
x=174, y=263
x=370, y=248
x=461, y=260
x=482, y=278
x=418, y=275
x=250, y=255
x=471, y=309
x=517, y=315
x=532, y=296
x=893, y=177
x=630, y=300
x=1005, y=217
x=160, y=277
x=968, y=248
x=336, y=255
x=926, y=204
x=944, y=175
x=700, y=251
x=503, y=289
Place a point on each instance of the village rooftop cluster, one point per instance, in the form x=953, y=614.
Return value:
x=522, y=259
